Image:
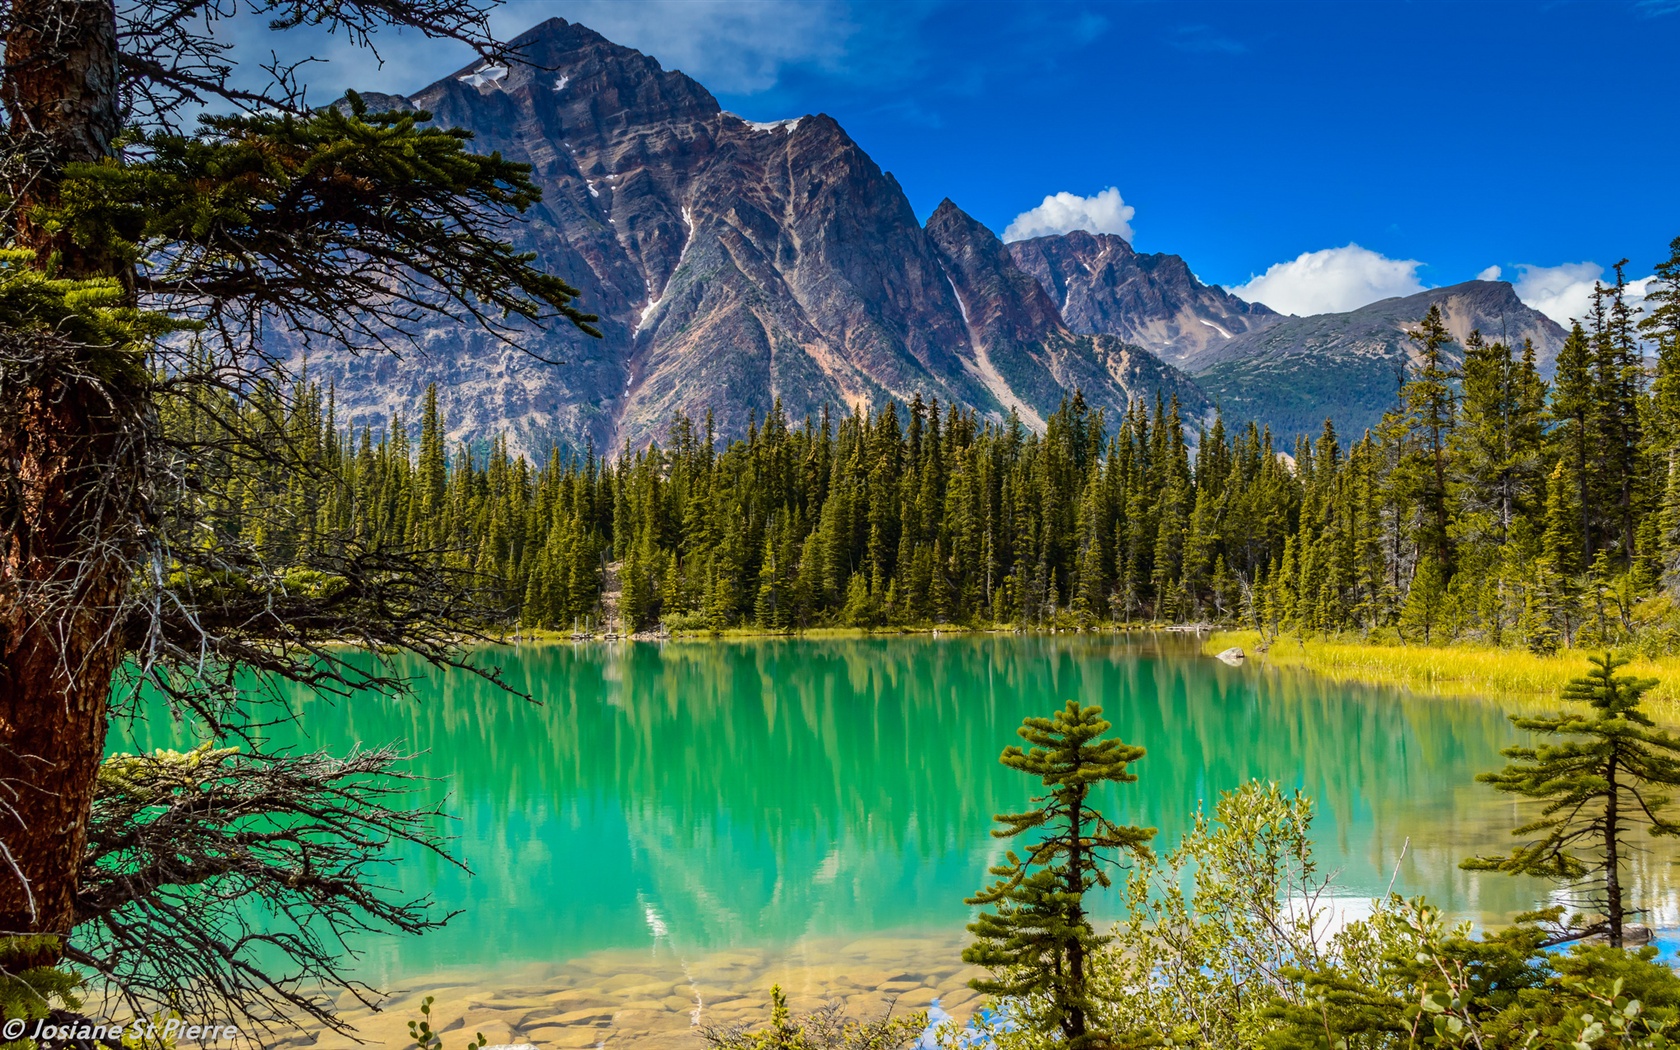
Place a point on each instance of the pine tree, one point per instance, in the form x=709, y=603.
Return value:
x=1606, y=776
x=112, y=204
x=1039, y=939
x=1661, y=325
x=1425, y=600
x=1619, y=374
x=1431, y=413
x=1574, y=411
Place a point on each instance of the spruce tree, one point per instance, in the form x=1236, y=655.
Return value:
x=1606, y=773
x=1430, y=404
x=1574, y=412
x=1039, y=939
x=1661, y=325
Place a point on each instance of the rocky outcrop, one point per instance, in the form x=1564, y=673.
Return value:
x=1022, y=349
x=1101, y=286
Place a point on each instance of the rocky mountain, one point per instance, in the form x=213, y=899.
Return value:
x=1102, y=286
x=1022, y=350
x=1298, y=371
x=733, y=264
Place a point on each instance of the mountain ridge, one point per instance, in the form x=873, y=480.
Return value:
x=735, y=265
x=1293, y=374
x=740, y=265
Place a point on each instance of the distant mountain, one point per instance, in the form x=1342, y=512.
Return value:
x=1022, y=349
x=1101, y=285
x=733, y=264
x=736, y=264
x=1298, y=371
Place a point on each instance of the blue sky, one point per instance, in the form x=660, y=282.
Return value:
x=1250, y=137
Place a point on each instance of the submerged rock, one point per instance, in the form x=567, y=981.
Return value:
x=1232, y=656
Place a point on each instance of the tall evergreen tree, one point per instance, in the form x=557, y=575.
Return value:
x=122, y=227
x=1431, y=409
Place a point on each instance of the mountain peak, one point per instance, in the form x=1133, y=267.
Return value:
x=1105, y=287
x=735, y=265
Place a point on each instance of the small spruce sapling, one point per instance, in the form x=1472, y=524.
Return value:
x=1604, y=778
x=1039, y=940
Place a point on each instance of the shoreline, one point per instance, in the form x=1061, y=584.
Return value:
x=1448, y=671
x=1462, y=671
x=728, y=634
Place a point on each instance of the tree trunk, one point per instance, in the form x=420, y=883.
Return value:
x=1612, y=862
x=1075, y=885
x=67, y=516
x=60, y=92
x=70, y=444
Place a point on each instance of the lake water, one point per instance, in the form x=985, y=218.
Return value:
x=773, y=806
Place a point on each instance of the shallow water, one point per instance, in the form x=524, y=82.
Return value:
x=723, y=814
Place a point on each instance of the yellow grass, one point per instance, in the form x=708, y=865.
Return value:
x=1501, y=674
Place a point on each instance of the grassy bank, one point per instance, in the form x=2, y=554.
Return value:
x=1450, y=671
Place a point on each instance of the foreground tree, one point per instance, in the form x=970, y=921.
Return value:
x=1039, y=940
x=154, y=275
x=1605, y=778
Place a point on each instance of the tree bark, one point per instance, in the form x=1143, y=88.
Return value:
x=66, y=543
x=71, y=436
x=1612, y=858
x=1074, y=1025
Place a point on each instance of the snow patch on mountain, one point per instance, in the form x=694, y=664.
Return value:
x=647, y=311
x=960, y=304
x=484, y=76
x=789, y=123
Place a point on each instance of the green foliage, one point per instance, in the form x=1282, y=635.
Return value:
x=425, y=1038
x=92, y=313
x=1230, y=944
x=1038, y=941
x=31, y=992
x=1602, y=779
x=247, y=208
x=1435, y=985
x=824, y=1029
x=1212, y=927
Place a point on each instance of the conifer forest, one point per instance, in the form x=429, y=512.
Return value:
x=1490, y=505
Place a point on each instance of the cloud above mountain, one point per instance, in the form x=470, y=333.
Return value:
x=1332, y=280
x=1564, y=292
x=1064, y=212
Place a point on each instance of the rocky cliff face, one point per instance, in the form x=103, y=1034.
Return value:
x=1101, y=285
x=1021, y=349
x=1348, y=367
x=734, y=264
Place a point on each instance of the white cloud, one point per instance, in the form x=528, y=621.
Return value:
x=1564, y=292
x=1332, y=281
x=1064, y=212
x=1490, y=274
x=1560, y=292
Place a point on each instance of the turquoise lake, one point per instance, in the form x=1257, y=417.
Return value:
x=706, y=795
